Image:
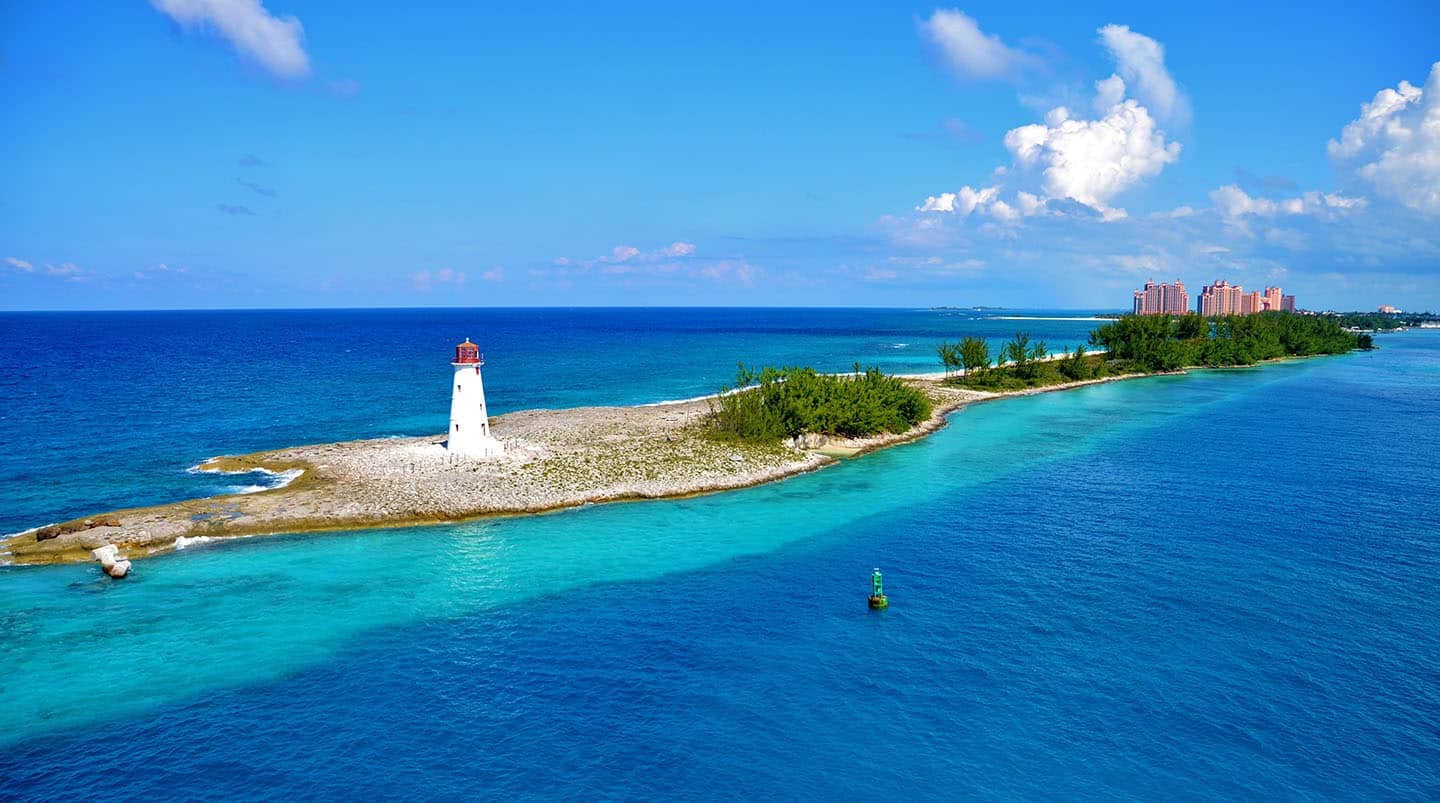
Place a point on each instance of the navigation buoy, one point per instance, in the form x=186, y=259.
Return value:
x=877, y=591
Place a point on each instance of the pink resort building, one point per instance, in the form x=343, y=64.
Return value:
x=1224, y=298
x=1221, y=298
x=1157, y=299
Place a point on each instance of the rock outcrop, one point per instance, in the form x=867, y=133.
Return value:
x=57, y=530
x=111, y=562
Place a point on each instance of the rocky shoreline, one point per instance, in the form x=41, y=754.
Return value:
x=554, y=459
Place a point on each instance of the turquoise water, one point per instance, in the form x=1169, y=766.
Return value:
x=1212, y=585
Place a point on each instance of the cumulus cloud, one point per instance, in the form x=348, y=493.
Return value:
x=1108, y=92
x=621, y=257
x=19, y=264
x=1082, y=165
x=1232, y=202
x=1092, y=161
x=964, y=202
x=272, y=42
x=1140, y=61
x=1395, y=144
x=970, y=52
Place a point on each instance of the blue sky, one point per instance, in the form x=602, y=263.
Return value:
x=233, y=153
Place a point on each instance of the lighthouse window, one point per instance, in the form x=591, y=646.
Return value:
x=457, y=427
x=457, y=388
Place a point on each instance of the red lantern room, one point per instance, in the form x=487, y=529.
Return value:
x=468, y=353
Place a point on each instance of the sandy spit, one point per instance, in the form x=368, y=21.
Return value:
x=554, y=459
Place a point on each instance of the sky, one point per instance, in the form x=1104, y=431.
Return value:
x=316, y=153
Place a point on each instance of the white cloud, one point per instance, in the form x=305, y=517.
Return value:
x=622, y=254
x=944, y=202
x=1092, y=161
x=272, y=42
x=19, y=264
x=1108, y=92
x=1395, y=144
x=496, y=274
x=1030, y=204
x=964, y=202
x=970, y=52
x=1004, y=212
x=64, y=269
x=1140, y=60
x=1232, y=202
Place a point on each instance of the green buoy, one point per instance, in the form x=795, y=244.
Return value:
x=877, y=591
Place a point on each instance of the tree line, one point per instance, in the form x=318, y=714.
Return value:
x=1148, y=344
x=1170, y=342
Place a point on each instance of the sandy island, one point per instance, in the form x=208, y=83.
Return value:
x=553, y=459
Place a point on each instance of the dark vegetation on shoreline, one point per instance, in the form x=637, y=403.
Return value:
x=1144, y=344
x=785, y=402
x=1170, y=342
x=1381, y=321
x=770, y=404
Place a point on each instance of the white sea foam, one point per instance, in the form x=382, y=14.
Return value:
x=201, y=540
x=676, y=401
x=273, y=479
x=694, y=398
x=246, y=489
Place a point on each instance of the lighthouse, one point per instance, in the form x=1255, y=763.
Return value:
x=469, y=420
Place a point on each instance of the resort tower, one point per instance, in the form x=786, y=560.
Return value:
x=469, y=420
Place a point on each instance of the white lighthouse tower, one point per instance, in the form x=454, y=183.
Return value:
x=469, y=420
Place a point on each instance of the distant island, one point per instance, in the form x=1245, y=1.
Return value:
x=974, y=309
x=772, y=423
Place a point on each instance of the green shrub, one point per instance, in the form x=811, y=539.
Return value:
x=784, y=402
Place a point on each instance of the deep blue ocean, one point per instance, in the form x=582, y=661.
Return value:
x=1214, y=585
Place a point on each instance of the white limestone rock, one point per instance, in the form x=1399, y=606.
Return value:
x=110, y=560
